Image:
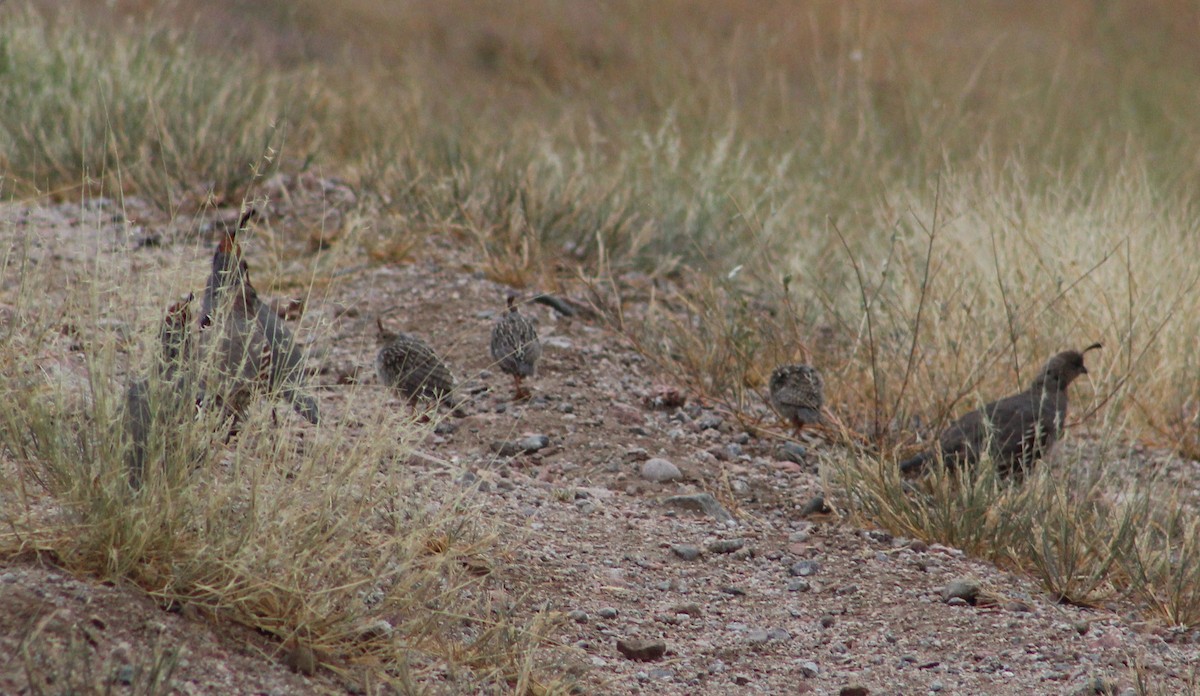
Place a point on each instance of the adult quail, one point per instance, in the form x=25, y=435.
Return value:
x=166, y=396
x=1016, y=430
x=255, y=347
x=515, y=347
x=407, y=364
x=797, y=393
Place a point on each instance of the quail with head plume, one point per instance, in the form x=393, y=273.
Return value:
x=407, y=364
x=515, y=347
x=255, y=347
x=1016, y=430
x=798, y=393
x=166, y=396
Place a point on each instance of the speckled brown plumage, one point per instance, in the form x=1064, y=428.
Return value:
x=515, y=346
x=1016, y=430
x=255, y=350
x=166, y=396
x=798, y=393
x=409, y=365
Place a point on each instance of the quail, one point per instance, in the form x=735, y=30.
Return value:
x=407, y=364
x=255, y=348
x=1016, y=430
x=515, y=347
x=166, y=396
x=798, y=393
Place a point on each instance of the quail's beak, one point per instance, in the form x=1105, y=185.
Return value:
x=1083, y=370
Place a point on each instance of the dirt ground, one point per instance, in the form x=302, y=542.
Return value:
x=761, y=600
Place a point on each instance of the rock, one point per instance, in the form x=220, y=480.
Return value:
x=798, y=585
x=641, y=650
x=725, y=545
x=660, y=470
x=579, y=616
x=826, y=621
x=1095, y=686
x=779, y=634
x=757, y=636
x=733, y=591
x=958, y=602
x=302, y=660
x=688, y=552
x=816, y=506
x=533, y=443
x=966, y=589
x=692, y=609
x=804, y=568
x=809, y=669
x=791, y=452
x=854, y=690
x=708, y=421
x=526, y=445
x=703, y=502
x=607, y=613
x=375, y=630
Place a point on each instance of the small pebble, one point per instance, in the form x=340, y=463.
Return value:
x=804, y=568
x=660, y=470
x=687, y=552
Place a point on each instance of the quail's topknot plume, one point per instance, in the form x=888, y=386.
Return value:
x=798, y=393
x=407, y=364
x=1016, y=430
x=255, y=347
x=515, y=346
x=164, y=397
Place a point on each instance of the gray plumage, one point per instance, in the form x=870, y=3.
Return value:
x=1016, y=430
x=515, y=346
x=407, y=364
x=798, y=393
x=254, y=347
x=162, y=400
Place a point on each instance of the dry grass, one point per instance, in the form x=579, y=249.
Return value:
x=926, y=202
x=322, y=538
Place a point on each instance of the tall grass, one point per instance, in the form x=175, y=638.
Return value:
x=146, y=113
x=321, y=537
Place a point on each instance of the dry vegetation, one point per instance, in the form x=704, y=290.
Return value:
x=925, y=200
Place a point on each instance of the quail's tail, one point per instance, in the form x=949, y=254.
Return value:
x=302, y=403
x=914, y=465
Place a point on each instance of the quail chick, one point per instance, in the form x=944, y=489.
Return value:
x=164, y=397
x=1016, y=430
x=515, y=347
x=798, y=393
x=255, y=347
x=407, y=364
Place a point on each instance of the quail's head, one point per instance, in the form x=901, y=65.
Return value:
x=382, y=335
x=1062, y=369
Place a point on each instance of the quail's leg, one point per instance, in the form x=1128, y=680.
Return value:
x=521, y=392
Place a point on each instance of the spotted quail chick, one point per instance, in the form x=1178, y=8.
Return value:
x=515, y=347
x=164, y=397
x=1016, y=430
x=798, y=393
x=255, y=347
x=407, y=364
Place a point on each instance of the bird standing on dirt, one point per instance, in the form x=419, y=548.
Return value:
x=798, y=393
x=254, y=347
x=166, y=396
x=408, y=365
x=1016, y=430
x=515, y=347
